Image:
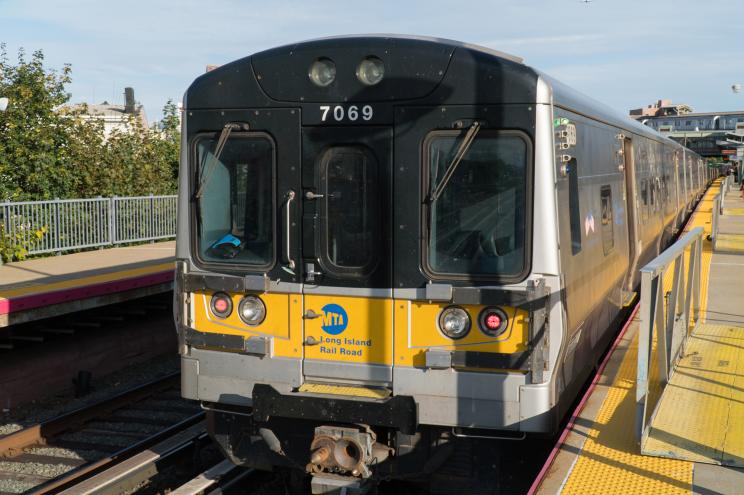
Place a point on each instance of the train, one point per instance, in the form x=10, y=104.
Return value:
x=393, y=248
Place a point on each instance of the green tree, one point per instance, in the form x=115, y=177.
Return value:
x=34, y=135
x=51, y=150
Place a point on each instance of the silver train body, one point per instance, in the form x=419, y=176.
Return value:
x=602, y=196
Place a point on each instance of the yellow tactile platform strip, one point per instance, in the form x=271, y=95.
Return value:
x=701, y=415
x=730, y=243
x=319, y=388
x=610, y=461
x=733, y=211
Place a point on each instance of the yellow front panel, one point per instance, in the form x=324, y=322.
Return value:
x=283, y=321
x=417, y=330
x=350, y=329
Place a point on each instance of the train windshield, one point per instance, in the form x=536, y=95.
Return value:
x=476, y=224
x=235, y=203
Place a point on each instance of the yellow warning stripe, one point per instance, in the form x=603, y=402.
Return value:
x=730, y=243
x=83, y=281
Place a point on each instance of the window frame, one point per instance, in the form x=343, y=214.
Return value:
x=425, y=266
x=322, y=237
x=194, y=168
x=575, y=225
x=608, y=226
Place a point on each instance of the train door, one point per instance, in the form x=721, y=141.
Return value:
x=346, y=255
x=634, y=243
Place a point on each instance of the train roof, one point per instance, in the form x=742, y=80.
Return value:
x=428, y=39
x=566, y=97
x=432, y=60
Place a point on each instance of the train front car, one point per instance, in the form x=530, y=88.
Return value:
x=357, y=289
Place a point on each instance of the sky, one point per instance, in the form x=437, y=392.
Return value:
x=625, y=53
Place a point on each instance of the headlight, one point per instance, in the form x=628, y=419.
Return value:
x=252, y=310
x=370, y=71
x=493, y=321
x=221, y=305
x=454, y=322
x=322, y=72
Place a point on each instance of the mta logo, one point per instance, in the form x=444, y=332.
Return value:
x=334, y=319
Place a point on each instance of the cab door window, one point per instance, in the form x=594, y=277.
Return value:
x=350, y=213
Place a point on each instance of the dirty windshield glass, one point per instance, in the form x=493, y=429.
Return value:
x=235, y=206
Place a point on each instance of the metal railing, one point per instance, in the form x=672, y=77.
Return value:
x=717, y=212
x=725, y=186
x=68, y=224
x=667, y=318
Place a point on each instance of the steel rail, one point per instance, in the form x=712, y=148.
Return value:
x=210, y=478
x=14, y=443
x=86, y=471
x=139, y=468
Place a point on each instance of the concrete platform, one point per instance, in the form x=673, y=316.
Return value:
x=699, y=428
x=45, y=287
x=731, y=223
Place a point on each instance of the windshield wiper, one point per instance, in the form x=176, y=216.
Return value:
x=461, y=151
x=215, y=158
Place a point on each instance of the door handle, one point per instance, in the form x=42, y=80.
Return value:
x=312, y=195
x=310, y=315
x=288, y=248
x=310, y=272
x=310, y=340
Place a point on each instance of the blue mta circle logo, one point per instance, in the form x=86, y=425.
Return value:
x=334, y=319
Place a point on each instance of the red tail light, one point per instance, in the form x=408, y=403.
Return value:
x=493, y=321
x=221, y=305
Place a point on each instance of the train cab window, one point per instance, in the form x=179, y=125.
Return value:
x=235, y=200
x=608, y=235
x=476, y=208
x=644, y=199
x=350, y=218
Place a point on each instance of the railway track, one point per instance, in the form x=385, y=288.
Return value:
x=56, y=454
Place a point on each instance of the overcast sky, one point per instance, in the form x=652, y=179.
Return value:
x=624, y=53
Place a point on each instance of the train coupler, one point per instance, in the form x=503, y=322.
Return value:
x=345, y=451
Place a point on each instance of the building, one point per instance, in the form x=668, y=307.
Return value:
x=115, y=117
x=662, y=108
x=712, y=134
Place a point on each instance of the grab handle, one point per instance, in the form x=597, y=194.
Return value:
x=288, y=253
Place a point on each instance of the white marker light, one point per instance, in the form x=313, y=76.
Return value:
x=252, y=310
x=370, y=71
x=454, y=322
x=322, y=72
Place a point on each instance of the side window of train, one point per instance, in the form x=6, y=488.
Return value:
x=608, y=235
x=644, y=199
x=573, y=206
